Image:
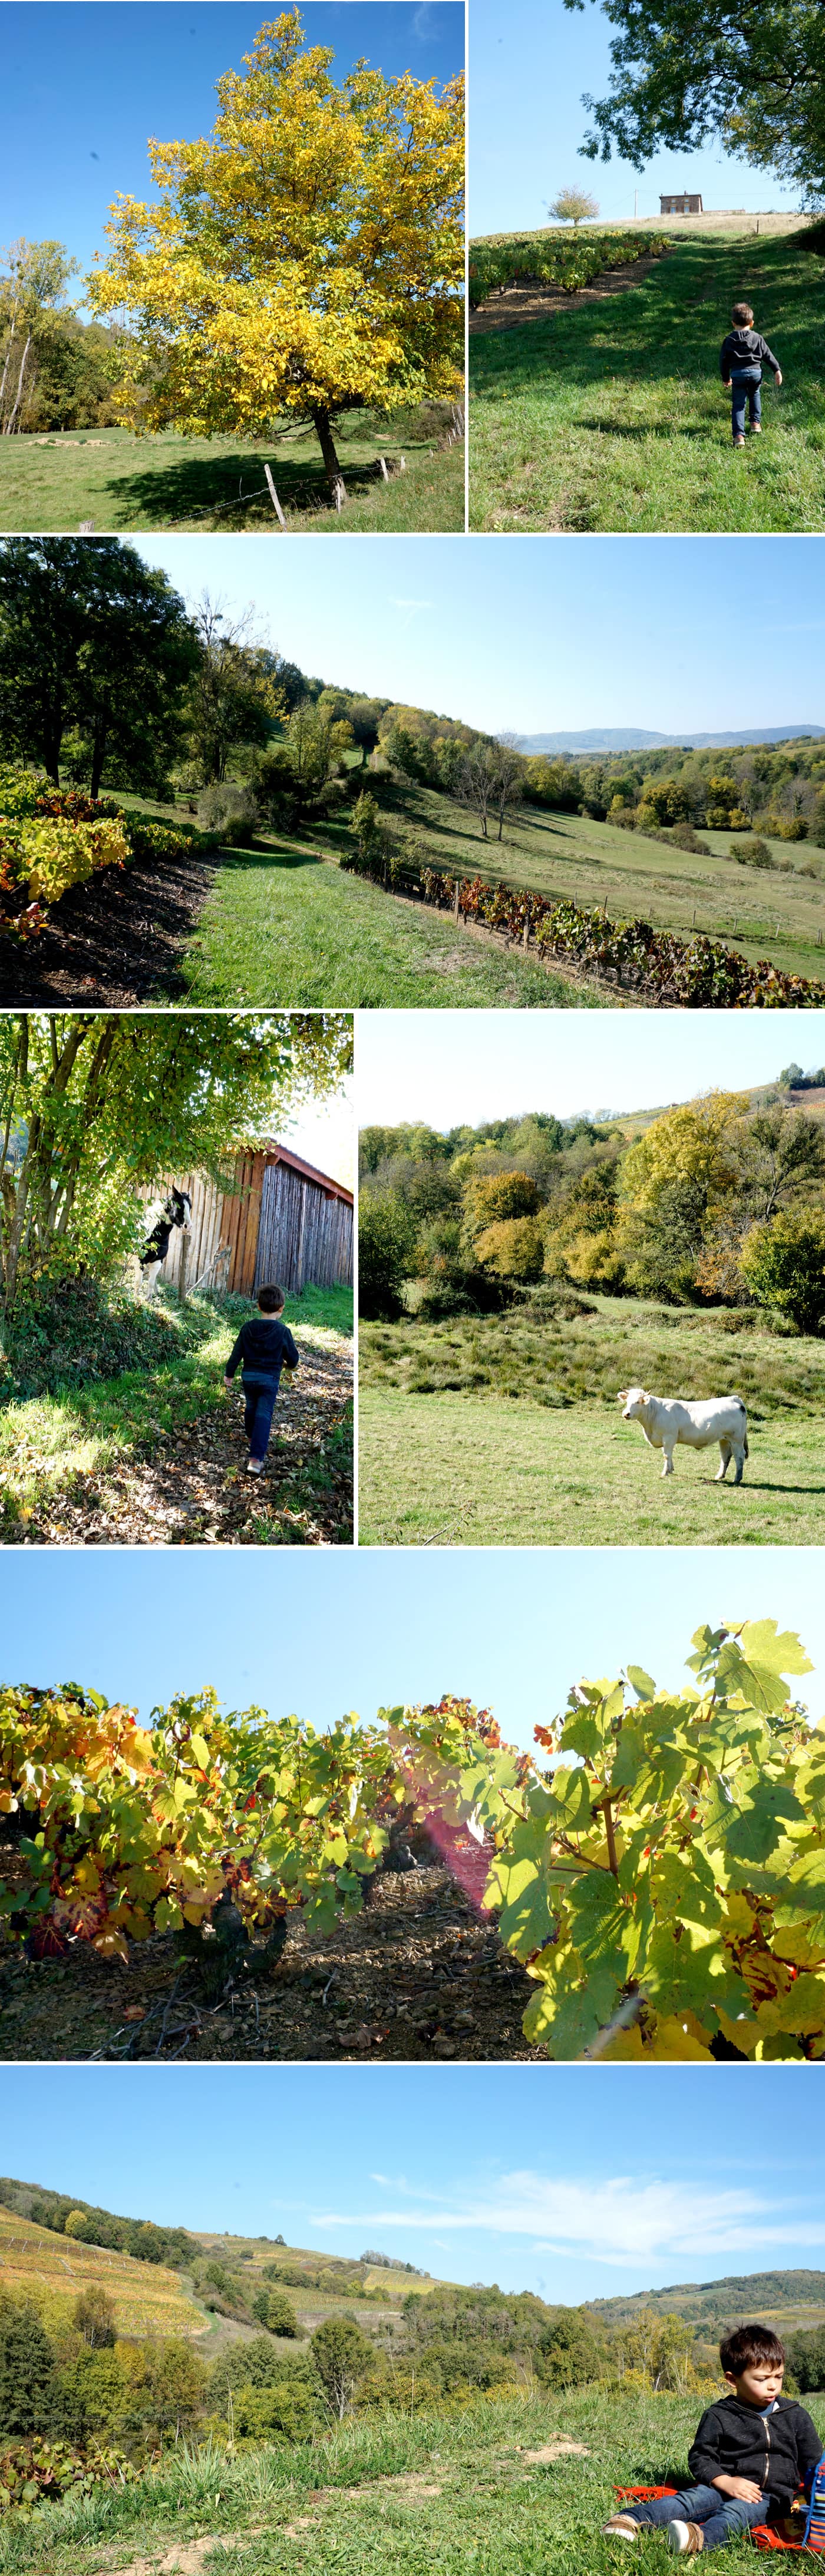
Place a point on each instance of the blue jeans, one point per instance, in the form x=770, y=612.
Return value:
x=720, y=2516
x=259, y=1406
x=745, y=385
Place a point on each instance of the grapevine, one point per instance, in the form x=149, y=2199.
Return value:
x=661, y=1878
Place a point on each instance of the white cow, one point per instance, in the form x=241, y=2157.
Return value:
x=666, y=1420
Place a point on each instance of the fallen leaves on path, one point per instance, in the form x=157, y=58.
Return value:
x=191, y=1488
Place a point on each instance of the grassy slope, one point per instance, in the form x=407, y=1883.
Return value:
x=460, y=2492
x=457, y=1462
x=279, y=926
x=613, y=415
x=569, y=855
x=147, y=2298
x=47, y=1441
x=120, y=481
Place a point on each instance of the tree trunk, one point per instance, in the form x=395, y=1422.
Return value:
x=98, y=756
x=326, y=442
x=8, y=432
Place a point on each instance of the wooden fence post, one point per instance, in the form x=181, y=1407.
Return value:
x=274, y=497
x=183, y=1266
x=455, y=902
x=383, y=464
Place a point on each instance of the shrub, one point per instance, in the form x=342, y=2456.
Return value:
x=794, y=829
x=53, y=856
x=783, y=1263
x=513, y=1249
x=443, y=1297
x=33, y=2473
x=752, y=854
x=386, y=1240
x=230, y=813
x=275, y=2311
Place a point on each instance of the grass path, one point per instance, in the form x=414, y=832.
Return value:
x=120, y=481
x=614, y=416
x=280, y=926
x=506, y=2486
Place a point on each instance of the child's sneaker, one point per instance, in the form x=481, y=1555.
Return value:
x=739, y=442
x=756, y=429
x=621, y=2527
x=254, y=1466
x=685, y=2539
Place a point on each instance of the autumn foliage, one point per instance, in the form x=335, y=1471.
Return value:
x=305, y=257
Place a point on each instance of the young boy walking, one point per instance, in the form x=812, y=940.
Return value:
x=750, y=2453
x=741, y=359
x=264, y=1346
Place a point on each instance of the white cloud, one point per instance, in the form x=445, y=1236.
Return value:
x=620, y=2219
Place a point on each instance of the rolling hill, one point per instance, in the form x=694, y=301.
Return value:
x=152, y=2298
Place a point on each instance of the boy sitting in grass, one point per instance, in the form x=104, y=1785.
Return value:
x=750, y=2453
x=264, y=1346
x=741, y=360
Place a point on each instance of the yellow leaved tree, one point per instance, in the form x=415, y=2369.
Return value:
x=304, y=259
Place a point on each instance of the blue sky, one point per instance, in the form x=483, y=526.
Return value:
x=511, y=1628
x=519, y=635
x=452, y=1067
x=529, y=68
x=578, y=2182
x=87, y=81
x=323, y=1132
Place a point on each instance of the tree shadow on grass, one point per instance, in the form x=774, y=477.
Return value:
x=671, y=325
x=666, y=429
x=283, y=860
x=224, y=487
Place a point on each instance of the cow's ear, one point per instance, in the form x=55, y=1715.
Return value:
x=645, y=1395
x=622, y=1395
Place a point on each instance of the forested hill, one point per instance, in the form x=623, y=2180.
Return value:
x=710, y=2305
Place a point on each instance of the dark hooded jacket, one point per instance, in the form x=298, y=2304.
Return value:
x=775, y=2449
x=745, y=349
x=264, y=1346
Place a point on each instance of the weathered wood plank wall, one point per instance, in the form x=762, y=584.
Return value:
x=276, y=1224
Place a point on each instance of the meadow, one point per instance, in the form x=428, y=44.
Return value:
x=505, y=1431
x=277, y=927
x=497, y=2487
x=612, y=415
x=115, y=480
x=154, y=1453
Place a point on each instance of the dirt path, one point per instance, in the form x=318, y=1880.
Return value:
x=534, y=303
x=419, y=1976
x=192, y=1488
x=116, y=940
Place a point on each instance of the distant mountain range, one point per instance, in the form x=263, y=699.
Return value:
x=600, y=738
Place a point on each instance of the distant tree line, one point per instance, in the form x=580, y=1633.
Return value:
x=719, y=1201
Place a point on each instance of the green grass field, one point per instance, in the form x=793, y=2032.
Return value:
x=613, y=416
x=515, y=2486
x=505, y=1432
x=280, y=925
x=118, y=481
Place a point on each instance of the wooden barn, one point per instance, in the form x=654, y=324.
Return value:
x=281, y=1221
